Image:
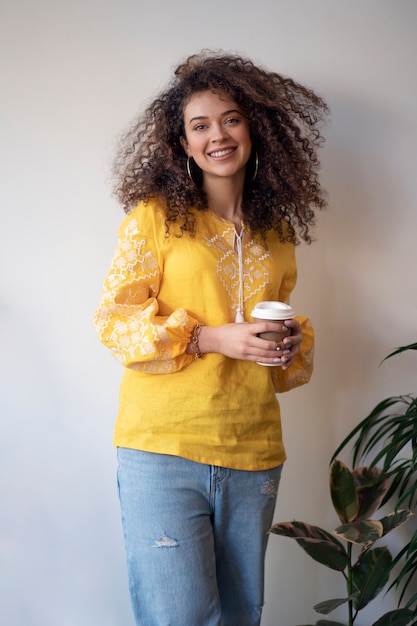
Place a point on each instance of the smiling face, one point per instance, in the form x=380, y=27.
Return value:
x=216, y=135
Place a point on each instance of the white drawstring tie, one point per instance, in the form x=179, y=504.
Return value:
x=238, y=241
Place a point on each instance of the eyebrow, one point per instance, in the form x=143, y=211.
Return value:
x=205, y=117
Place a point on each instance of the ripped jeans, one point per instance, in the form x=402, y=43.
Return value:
x=195, y=538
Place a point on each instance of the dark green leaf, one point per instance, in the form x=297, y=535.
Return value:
x=385, y=433
x=360, y=432
x=408, y=495
x=399, y=617
x=325, y=553
x=371, y=485
x=412, y=602
x=412, y=547
x=370, y=574
x=343, y=492
x=328, y=606
x=394, y=520
x=302, y=530
x=411, y=346
x=393, y=430
x=362, y=532
x=408, y=574
x=318, y=543
x=324, y=622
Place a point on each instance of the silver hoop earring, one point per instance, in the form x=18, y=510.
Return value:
x=255, y=173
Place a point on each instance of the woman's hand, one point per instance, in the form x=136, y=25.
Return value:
x=291, y=344
x=241, y=341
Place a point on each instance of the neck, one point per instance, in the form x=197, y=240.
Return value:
x=225, y=198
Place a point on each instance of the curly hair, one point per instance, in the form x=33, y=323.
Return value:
x=284, y=119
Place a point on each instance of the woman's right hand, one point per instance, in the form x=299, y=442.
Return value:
x=241, y=341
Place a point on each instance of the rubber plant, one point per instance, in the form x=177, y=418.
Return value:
x=349, y=549
x=388, y=437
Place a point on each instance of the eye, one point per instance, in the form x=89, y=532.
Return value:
x=199, y=127
x=232, y=120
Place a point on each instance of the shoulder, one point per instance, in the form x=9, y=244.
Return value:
x=283, y=239
x=285, y=250
x=147, y=215
x=151, y=209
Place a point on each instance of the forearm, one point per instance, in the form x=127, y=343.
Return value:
x=236, y=341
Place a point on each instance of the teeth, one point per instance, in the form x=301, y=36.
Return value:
x=221, y=153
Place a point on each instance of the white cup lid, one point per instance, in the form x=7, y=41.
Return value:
x=273, y=310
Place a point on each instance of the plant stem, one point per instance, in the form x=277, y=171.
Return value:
x=350, y=584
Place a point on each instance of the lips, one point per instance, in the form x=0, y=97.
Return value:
x=221, y=153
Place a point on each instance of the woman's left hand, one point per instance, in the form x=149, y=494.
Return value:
x=291, y=344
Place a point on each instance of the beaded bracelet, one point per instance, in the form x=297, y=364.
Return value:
x=194, y=341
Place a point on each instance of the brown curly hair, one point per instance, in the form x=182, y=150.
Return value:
x=284, y=119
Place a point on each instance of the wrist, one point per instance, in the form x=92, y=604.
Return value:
x=208, y=340
x=194, y=345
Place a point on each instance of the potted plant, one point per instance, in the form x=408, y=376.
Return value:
x=356, y=495
x=388, y=436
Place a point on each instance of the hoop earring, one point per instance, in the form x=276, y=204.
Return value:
x=189, y=170
x=255, y=173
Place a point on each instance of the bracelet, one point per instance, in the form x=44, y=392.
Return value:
x=194, y=341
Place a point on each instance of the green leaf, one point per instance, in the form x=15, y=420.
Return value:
x=371, y=485
x=412, y=602
x=360, y=432
x=408, y=495
x=406, y=577
x=325, y=553
x=343, y=492
x=412, y=546
x=411, y=346
x=394, y=520
x=387, y=433
x=399, y=617
x=302, y=530
x=362, y=532
x=370, y=574
x=328, y=606
x=320, y=545
x=324, y=622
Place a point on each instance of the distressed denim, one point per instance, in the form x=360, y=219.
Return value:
x=195, y=538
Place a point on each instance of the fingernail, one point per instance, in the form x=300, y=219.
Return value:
x=277, y=360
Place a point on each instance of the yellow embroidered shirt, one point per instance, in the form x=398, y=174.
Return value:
x=213, y=410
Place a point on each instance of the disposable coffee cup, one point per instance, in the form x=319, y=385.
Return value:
x=273, y=311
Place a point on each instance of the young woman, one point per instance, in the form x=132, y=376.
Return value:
x=219, y=178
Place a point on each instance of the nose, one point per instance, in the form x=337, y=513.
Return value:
x=219, y=133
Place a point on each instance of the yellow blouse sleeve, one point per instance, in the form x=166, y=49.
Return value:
x=301, y=369
x=127, y=319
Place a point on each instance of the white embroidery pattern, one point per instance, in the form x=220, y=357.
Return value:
x=128, y=307
x=255, y=273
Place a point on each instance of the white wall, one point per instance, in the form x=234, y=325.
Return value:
x=73, y=75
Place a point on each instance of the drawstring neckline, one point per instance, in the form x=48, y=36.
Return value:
x=238, y=242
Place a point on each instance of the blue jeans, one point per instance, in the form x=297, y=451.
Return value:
x=195, y=539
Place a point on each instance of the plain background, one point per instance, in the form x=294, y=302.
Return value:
x=73, y=75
